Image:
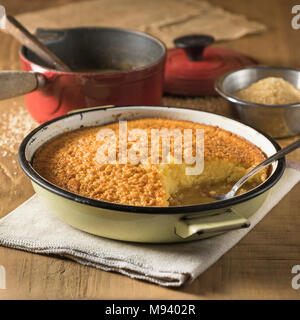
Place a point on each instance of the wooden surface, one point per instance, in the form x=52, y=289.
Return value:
x=259, y=267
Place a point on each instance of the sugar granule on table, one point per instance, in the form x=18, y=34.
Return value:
x=15, y=124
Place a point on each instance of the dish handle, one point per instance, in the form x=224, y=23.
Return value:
x=225, y=221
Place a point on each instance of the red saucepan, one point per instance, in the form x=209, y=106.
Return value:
x=111, y=66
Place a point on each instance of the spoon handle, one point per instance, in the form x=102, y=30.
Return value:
x=265, y=163
x=281, y=153
x=17, y=30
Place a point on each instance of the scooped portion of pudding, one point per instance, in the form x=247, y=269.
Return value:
x=90, y=162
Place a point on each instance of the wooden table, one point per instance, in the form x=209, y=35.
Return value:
x=259, y=267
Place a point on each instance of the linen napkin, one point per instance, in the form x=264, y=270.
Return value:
x=31, y=227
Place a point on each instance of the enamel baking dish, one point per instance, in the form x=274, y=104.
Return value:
x=147, y=224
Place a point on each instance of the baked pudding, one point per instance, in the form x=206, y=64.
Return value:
x=70, y=161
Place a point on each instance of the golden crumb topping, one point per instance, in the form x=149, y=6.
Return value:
x=70, y=162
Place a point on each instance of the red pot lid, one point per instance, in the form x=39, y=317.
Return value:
x=191, y=68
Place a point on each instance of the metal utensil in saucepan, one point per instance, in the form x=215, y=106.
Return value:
x=255, y=170
x=10, y=25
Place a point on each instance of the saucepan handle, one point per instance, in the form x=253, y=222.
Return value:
x=219, y=222
x=17, y=83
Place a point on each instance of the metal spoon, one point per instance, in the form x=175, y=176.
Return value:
x=259, y=167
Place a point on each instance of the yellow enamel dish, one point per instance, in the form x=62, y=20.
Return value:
x=147, y=223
